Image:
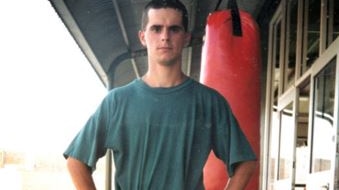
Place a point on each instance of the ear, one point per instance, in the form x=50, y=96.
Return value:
x=141, y=35
x=187, y=38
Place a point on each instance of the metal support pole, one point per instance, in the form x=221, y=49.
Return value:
x=108, y=157
x=108, y=180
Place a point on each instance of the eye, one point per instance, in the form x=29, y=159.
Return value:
x=156, y=29
x=176, y=29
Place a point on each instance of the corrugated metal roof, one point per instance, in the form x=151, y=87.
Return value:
x=106, y=31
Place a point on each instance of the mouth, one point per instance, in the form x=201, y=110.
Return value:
x=164, y=48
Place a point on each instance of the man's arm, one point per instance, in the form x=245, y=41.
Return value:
x=80, y=174
x=242, y=175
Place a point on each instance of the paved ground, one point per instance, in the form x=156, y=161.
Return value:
x=42, y=172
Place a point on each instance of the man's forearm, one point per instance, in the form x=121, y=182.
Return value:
x=80, y=174
x=242, y=175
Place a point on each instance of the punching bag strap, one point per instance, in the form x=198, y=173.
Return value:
x=218, y=5
x=236, y=22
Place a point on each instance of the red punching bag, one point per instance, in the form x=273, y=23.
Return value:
x=230, y=63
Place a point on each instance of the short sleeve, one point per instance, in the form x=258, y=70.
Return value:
x=229, y=142
x=90, y=143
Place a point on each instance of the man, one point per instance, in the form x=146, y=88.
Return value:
x=163, y=126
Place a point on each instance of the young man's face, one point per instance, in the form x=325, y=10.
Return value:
x=164, y=36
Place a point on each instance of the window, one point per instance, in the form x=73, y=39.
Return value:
x=301, y=47
x=332, y=21
x=276, y=61
x=312, y=34
x=286, y=142
x=323, y=118
x=302, y=156
x=335, y=18
x=274, y=90
x=292, y=27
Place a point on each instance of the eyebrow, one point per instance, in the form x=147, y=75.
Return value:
x=175, y=26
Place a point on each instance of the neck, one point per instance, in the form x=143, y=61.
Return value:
x=164, y=80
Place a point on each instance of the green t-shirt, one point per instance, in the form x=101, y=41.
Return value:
x=161, y=137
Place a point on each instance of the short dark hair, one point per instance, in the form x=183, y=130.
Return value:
x=158, y=4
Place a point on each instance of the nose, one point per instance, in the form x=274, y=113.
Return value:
x=165, y=35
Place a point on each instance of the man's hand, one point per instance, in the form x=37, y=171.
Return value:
x=242, y=175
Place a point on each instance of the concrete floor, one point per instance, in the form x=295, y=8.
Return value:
x=40, y=172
